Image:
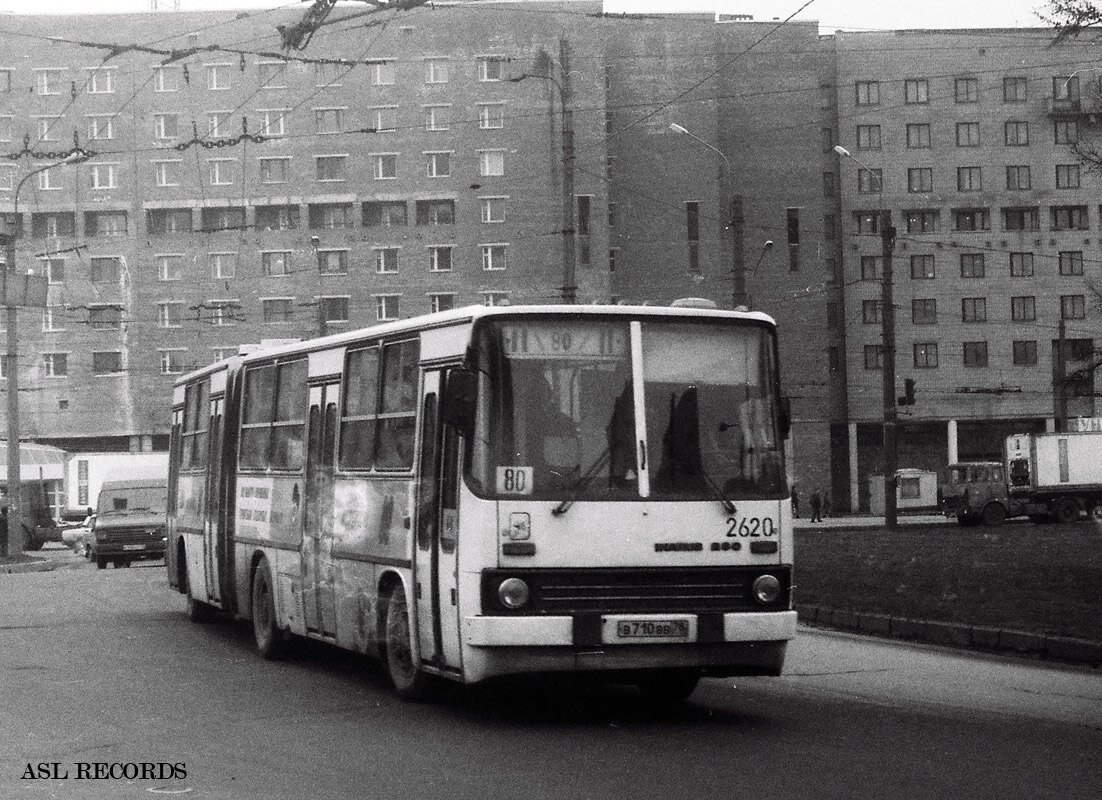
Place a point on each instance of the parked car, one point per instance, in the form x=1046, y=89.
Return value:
x=129, y=522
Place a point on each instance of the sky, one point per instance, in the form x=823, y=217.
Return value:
x=831, y=14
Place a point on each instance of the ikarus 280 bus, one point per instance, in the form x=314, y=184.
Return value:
x=491, y=491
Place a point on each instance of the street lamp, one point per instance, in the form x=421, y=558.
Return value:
x=569, y=273
x=887, y=333
x=11, y=303
x=738, y=276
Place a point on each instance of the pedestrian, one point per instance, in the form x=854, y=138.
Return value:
x=816, y=506
x=795, y=502
x=4, y=531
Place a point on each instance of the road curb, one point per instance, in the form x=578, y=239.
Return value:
x=974, y=637
x=37, y=565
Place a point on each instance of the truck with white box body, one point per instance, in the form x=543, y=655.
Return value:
x=1057, y=475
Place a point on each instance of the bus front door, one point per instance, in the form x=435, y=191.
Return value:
x=213, y=531
x=436, y=562
x=318, y=595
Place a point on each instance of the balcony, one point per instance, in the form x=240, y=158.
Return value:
x=1087, y=106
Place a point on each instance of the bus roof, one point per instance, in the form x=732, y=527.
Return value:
x=469, y=314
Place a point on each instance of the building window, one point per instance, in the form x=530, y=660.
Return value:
x=99, y=127
x=925, y=355
x=440, y=258
x=166, y=126
x=326, y=75
x=49, y=81
x=386, y=307
x=331, y=168
x=490, y=68
x=968, y=134
x=1021, y=265
x=874, y=356
x=494, y=298
x=170, y=267
x=222, y=218
x=277, y=218
x=222, y=265
x=435, y=212
x=971, y=265
x=1021, y=219
x=870, y=181
x=105, y=318
x=494, y=256
x=920, y=179
x=1073, y=306
x=382, y=73
x=437, y=118
x=966, y=90
x=218, y=123
x=170, y=315
x=166, y=173
x=105, y=223
x=272, y=74
x=971, y=219
x=1067, y=176
x=384, y=166
x=866, y=222
x=161, y=221
x=1018, y=177
x=6, y=131
x=867, y=93
x=273, y=121
x=106, y=362
x=922, y=267
x=53, y=319
x=1014, y=90
x=1023, y=309
x=277, y=310
x=275, y=264
x=493, y=209
x=923, y=221
x=441, y=302
x=491, y=162
x=868, y=137
x=1017, y=134
x=218, y=76
x=221, y=171
x=975, y=354
x=870, y=312
x=52, y=224
x=166, y=79
x=223, y=313
x=172, y=361
x=1065, y=131
x=491, y=116
x=436, y=70
x=385, y=118
x=274, y=170
x=916, y=91
x=54, y=269
x=384, y=213
x=871, y=268
x=829, y=189
x=49, y=179
x=101, y=81
x=924, y=311
x=973, y=309
x=969, y=179
x=438, y=165
x=1071, y=262
x=333, y=262
x=333, y=309
x=918, y=135
x=386, y=259
x=1025, y=353
x=328, y=120
x=55, y=365
x=1069, y=218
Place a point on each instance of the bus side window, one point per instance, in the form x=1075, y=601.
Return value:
x=288, y=427
x=255, y=424
x=361, y=383
x=398, y=407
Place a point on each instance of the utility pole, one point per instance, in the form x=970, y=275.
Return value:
x=1060, y=380
x=569, y=279
x=887, y=322
x=13, y=543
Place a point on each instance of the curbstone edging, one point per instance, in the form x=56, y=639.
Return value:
x=1058, y=648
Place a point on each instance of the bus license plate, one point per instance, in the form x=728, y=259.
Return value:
x=133, y=547
x=651, y=629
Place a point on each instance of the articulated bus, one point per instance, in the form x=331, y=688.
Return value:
x=491, y=491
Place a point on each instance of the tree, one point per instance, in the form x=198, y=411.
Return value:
x=1074, y=20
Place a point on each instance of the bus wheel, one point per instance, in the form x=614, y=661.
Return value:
x=668, y=687
x=410, y=683
x=1066, y=509
x=994, y=514
x=271, y=640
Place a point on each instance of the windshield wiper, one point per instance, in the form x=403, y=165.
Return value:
x=582, y=483
x=717, y=492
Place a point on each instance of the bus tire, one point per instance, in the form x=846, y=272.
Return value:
x=662, y=688
x=271, y=640
x=1066, y=509
x=994, y=514
x=409, y=682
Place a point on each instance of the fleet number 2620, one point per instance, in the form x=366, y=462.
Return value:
x=750, y=526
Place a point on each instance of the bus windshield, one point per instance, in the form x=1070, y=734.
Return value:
x=558, y=406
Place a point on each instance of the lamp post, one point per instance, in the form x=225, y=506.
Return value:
x=11, y=304
x=739, y=295
x=887, y=329
x=569, y=290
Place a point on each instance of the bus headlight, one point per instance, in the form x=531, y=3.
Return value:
x=766, y=589
x=513, y=593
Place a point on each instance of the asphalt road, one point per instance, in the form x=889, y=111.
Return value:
x=102, y=666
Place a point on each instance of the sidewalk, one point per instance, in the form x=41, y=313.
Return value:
x=865, y=521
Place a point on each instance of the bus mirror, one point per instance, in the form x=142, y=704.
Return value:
x=458, y=402
x=784, y=416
